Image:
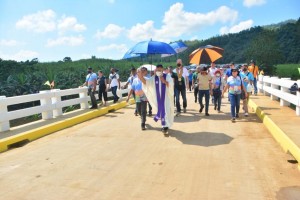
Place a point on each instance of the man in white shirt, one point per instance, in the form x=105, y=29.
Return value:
x=212, y=71
x=114, y=83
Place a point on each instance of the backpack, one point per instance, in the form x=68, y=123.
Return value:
x=294, y=88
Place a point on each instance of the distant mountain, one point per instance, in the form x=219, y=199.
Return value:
x=280, y=24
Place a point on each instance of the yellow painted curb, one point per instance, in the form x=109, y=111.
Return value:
x=285, y=142
x=51, y=128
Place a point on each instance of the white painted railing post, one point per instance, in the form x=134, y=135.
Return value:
x=84, y=105
x=285, y=90
x=56, y=100
x=46, y=101
x=275, y=87
x=265, y=84
x=298, y=98
x=260, y=83
x=4, y=124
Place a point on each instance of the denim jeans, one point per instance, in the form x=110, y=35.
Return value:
x=217, y=98
x=206, y=94
x=183, y=95
x=93, y=98
x=235, y=103
x=255, y=85
x=114, y=92
x=142, y=109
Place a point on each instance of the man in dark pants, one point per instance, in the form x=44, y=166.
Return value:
x=205, y=89
x=102, y=82
x=140, y=97
x=114, y=83
x=180, y=77
x=91, y=82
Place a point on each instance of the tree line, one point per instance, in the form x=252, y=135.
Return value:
x=267, y=45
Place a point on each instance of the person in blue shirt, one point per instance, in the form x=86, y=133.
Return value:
x=133, y=75
x=248, y=79
x=234, y=84
x=91, y=83
x=140, y=97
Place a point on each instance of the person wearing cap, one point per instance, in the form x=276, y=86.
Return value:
x=248, y=79
x=235, y=86
x=133, y=75
x=205, y=89
x=254, y=69
x=114, y=83
x=195, y=82
x=91, y=83
x=181, y=83
x=139, y=97
x=159, y=90
x=217, y=85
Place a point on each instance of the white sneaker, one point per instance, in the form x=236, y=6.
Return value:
x=246, y=114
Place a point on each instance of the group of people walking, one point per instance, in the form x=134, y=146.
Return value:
x=163, y=89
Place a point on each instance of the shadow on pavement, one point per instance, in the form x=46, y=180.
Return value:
x=290, y=193
x=205, y=139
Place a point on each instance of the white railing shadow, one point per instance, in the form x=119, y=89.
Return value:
x=51, y=104
x=279, y=88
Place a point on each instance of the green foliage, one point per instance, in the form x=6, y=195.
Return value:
x=288, y=71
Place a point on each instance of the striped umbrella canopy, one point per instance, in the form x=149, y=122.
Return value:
x=206, y=54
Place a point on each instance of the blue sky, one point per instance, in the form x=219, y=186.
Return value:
x=53, y=29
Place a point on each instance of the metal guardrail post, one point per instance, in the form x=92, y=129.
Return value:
x=84, y=105
x=56, y=100
x=4, y=124
x=46, y=101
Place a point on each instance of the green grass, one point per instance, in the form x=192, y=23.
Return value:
x=288, y=71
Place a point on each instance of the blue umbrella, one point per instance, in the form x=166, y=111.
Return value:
x=178, y=47
x=151, y=47
x=129, y=55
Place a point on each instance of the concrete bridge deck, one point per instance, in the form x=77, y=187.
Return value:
x=109, y=157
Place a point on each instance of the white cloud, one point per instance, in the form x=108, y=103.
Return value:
x=8, y=43
x=46, y=21
x=183, y=22
x=237, y=28
x=22, y=55
x=118, y=47
x=66, y=41
x=42, y=21
x=70, y=24
x=111, y=31
x=250, y=3
x=112, y=51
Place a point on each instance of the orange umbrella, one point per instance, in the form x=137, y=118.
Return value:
x=206, y=54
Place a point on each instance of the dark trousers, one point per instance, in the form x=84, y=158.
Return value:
x=217, y=98
x=196, y=90
x=114, y=92
x=93, y=98
x=203, y=93
x=183, y=95
x=190, y=85
x=150, y=108
x=255, y=85
x=142, y=110
x=235, y=104
x=135, y=111
x=102, y=93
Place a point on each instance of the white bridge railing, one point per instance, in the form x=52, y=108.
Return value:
x=51, y=104
x=278, y=88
